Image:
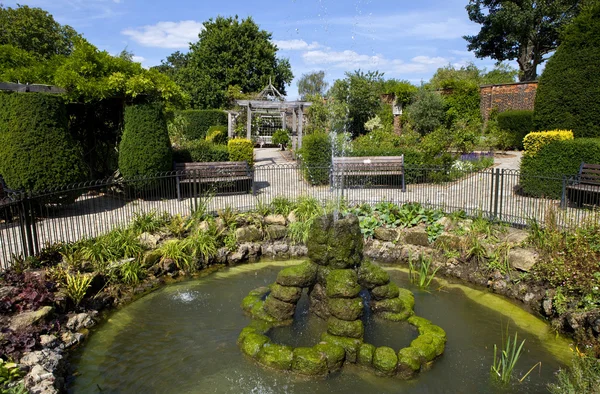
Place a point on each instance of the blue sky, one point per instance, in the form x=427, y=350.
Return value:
x=405, y=39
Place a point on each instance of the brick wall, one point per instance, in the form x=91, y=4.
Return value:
x=519, y=95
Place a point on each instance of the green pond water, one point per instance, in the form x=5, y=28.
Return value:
x=182, y=339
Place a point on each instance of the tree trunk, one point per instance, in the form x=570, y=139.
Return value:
x=527, y=63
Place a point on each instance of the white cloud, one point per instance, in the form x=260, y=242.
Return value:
x=166, y=34
x=138, y=59
x=295, y=45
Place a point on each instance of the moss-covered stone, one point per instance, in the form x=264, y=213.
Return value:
x=425, y=346
x=301, y=275
x=252, y=343
x=350, y=345
x=322, y=272
x=248, y=234
x=319, y=302
x=289, y=294
x=276, y=356
x=342, y=284
x=258, y=312
x=346, y=308
x=280, y=310
x=371, y=275
x=334, y=354
x=409, y=362
x=419, y=322
x=407, y=297
x=276, y=231
x=447, y=241
x=392, y=305
x=249, y=301
x=309, y=361
x=416, y=237
x=344, y=328
x=337, y=243
x=365, y=354
x=400, y=316
x=388, y=291
x=385, y=360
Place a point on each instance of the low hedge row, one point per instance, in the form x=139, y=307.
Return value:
x=200, y=151
x=541, y=174
x=241, y=149
x=516, y=125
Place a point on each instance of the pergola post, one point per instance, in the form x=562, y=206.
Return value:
x=300, y=122
x=294, y=121
x=283, y=125
x=249, y=123
x=229, y=125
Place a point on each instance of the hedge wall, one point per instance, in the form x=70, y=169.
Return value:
x=145, y=148
x=568, y=95
x=316, y=158
x=36, y=149
x=217, y=135
x=516, y=125
x=241, y=149
x=197, y=122
x=533, y=142
x=541, y=174
x=200, y=151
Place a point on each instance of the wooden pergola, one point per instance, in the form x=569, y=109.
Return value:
x=270, y=101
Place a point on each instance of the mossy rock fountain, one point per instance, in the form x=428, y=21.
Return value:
x=334, y=277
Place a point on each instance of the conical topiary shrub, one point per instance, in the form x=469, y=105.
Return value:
x=145, y=148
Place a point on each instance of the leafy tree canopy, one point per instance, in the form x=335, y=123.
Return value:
x=35, y=31
x=312, y=84
x=525, y=30
x=403, y=90
x=449, y=76
x=229, y=52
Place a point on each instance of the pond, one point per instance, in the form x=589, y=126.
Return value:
x=182, y=339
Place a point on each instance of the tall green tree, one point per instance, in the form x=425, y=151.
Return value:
x=360, y=92
x=568, y=95
x=35, y=31
x=312, y=84
x=229, y=52
x=525, y=30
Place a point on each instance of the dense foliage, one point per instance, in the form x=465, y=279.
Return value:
x=36, y=150
x=241, y=149
x=522, y=30
x=200, y=151
x=281, y=137
x=568, y=96
x=195, y=123
x=145, y=148
x=533, y=142
x=228, y=52
x=516, y=124
x=316, y=158
x=541, y=174
x=217, y=135
x=312, y=84
x=427, y=112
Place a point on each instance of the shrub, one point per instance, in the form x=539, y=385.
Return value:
x=241, y=149
x=541, y=174
x=281, y=137
x=515, y=125
x=36, y=149
x=568, y=95
x=197, y=122
x=217, y=135
x=533, y=142
x=145, y=149
x=316, y=158
x=200, y=151
x=427, y=112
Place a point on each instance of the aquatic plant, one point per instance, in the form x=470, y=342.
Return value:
x=308, y=208
x=475, y=248
x=178, y=226
x=434, y=230
x=298, y=231
x=421, y=273
x=498, y=260
x=505, y=362
x=228, y=215
x=368, y=224
x=76, y=286
x=177, y=251
x=131, y=272
x=282, y=206
x=201, y=245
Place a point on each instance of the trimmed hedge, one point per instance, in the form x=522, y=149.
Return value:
x=516, y=125
x=200, y=151
x=197, y=122
x=145, y=148
x=36, y=150
x=316, y=158
x=241, y=149
x=541, y=174
x=568, y=95
x=217, y=135
x=533, y=142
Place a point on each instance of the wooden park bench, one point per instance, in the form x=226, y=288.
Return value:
x=215, y=173
x=388, y=168
x=586, y=188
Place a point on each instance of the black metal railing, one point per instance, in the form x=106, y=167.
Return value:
x=70, y=213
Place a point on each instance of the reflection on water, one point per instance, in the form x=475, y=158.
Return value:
x=182, y=339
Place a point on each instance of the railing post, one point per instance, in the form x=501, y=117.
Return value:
x=563, y=196
x=496, y=193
